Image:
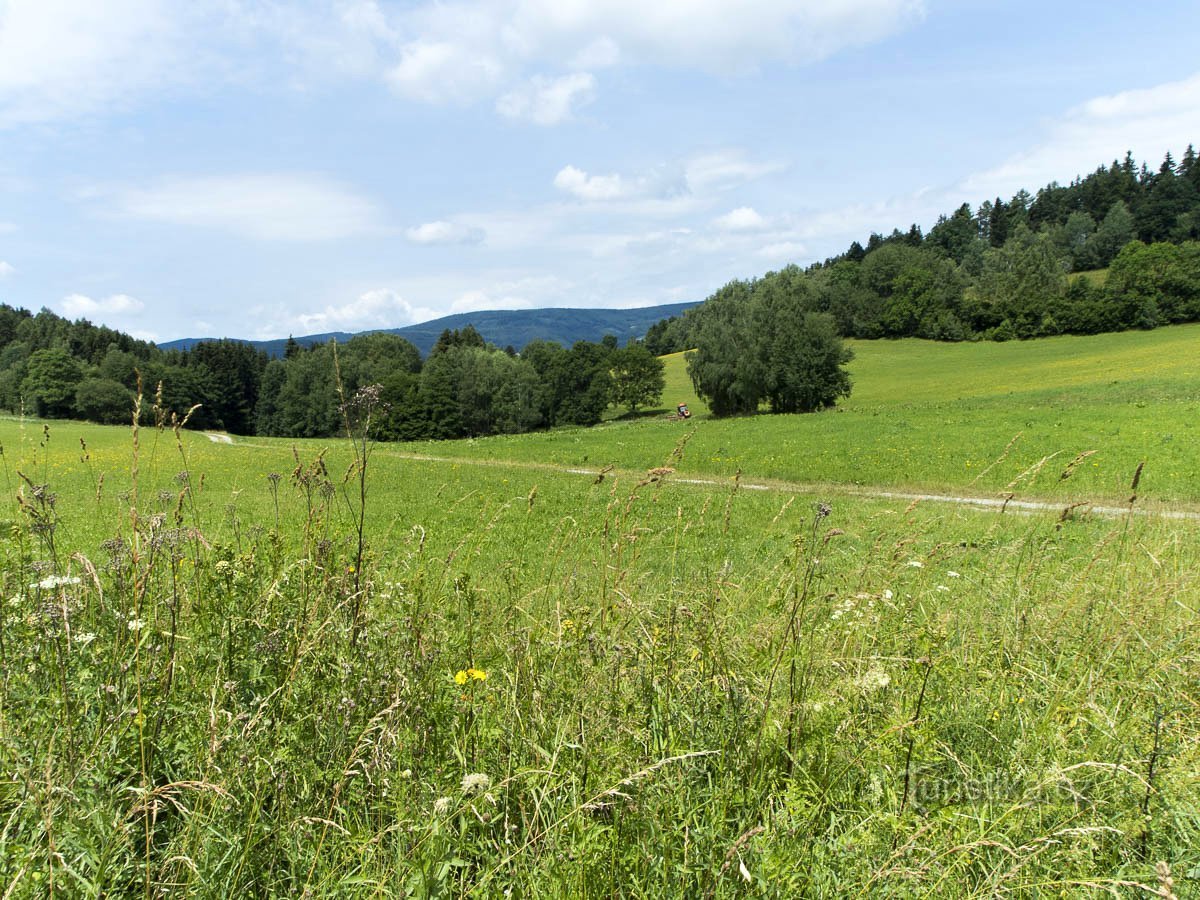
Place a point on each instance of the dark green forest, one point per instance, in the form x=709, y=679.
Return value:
x=55, y=368
x=1006, y=270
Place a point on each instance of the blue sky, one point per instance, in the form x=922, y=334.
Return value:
x=257, y=169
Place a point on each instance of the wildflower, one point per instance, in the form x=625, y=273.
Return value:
x=953, y=575
x=52, y=581
x=135, y=624
x=874, y=680
x=84, y=637
x=462, y=676
x=915, y=564
x=441, y=806
x=887, y=594
x=476, y=783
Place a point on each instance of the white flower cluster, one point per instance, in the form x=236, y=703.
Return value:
x=475, y=783
x=51, y=582
x=874, y=679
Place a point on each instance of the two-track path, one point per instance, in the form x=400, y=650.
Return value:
x=1003, y=503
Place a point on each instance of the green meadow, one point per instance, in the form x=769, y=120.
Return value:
x=274, y=668
x=981, y=419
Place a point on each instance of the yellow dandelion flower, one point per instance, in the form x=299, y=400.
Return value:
x=460, y=677
x=477, y=674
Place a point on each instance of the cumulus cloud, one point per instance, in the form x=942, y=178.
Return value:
x=579, y=183
x=81, y=306
x=663, y=183
x=462, y=51
x=548, y=101
x=63, y=58
x=744, y=218
x=6, y=269
x=375, y=309
x=439, y=71
x=1147, y=121
x=264, y=207
x=702, y=176
x=442, y=232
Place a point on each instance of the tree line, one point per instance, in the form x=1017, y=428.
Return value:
x=1011, y=269
x=54, y=368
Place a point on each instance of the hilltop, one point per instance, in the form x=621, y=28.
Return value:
x=501, y=327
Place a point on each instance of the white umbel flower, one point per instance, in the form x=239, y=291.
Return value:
x=475, y=783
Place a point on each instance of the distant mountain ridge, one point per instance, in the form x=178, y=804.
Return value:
x=515, y=327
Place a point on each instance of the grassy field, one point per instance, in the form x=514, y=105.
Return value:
x=981, y=419
x=528, y=682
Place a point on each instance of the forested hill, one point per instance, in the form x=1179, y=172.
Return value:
x=503, y=328
x=1003, y=270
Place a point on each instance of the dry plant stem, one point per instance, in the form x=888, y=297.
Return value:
x=1151, y=770
x=911, y=736
x=362, y=406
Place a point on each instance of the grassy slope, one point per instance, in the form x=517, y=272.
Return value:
x=197, y=692
x=977, y=418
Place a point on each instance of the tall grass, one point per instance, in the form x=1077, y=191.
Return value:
x=532, y=684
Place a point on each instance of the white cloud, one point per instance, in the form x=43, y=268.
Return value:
x=707, y=34
x=579, y=183
x=6, y=269
x=690, y=180
x=790, y=250
x=599, y=54
x=374, y=309
x=437, y=71
x=474, y=301
x=726, y=170
x=263, y=207
x=744, y=218
x=66, y=58
x=523, y=292
x=548, y=101
x=442, y=232
x=666, y=183
x=61, y=58
x=466, y=50
x=81, y=306
x=1148, y=122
